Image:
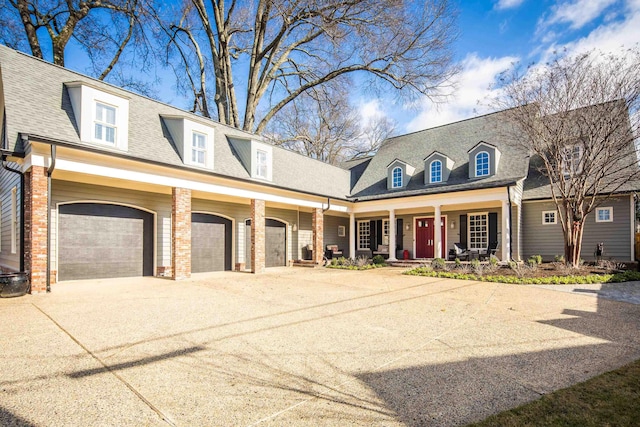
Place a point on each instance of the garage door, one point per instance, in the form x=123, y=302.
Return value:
x=275, y=241
x=102, y=241
x=210, y=243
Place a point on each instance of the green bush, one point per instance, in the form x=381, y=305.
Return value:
x=559, y=258
x=475, y=263
x=493, y=260
x=438, y=264
x=457, y=262
x=378, y=260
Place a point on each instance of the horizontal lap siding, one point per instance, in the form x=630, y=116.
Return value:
x=9, y=180
x=548, y=241
x=66, y=191
x=331, y=224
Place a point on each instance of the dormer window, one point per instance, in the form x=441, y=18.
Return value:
x=199, y=148
x=105, y=124
x=262, y=165
x=482, y=164
x=571, y=158
x=397, y=178
x=436, y=171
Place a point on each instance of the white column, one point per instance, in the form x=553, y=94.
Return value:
x=392, y=235
x=352, y=235
x=506, y=243
x=437, y=233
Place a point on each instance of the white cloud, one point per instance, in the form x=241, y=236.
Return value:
x=371, y=110
x=576, y=13
x=508, y=4
x=473, y=87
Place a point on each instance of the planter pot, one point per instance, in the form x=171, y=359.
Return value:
x=14, y=284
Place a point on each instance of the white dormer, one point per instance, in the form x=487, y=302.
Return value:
x=193, y=139
x=256, y=157
x=398, y=174
x=484, y=159
x=437, y=168
x=102, y=117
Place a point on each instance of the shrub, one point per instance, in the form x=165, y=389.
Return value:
x=457, y=262
x=438, y=264
x=559, y=258
x=536, y=258
x=378, y=260
x=493, y=260
x=361, y=261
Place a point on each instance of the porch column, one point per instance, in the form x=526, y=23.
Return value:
x=35, y=228
x=258, y=226
x=506, y=242
x=317, y=221
x=392, y=235
x=437, y=233
x=352, y=235
x=180, y=233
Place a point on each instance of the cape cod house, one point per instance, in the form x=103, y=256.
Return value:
x=99, y=182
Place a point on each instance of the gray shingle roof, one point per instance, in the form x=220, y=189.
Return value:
x=454, y=141
x=37, y=103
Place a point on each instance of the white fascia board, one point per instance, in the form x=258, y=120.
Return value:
x=443, y=199
x=171, y=181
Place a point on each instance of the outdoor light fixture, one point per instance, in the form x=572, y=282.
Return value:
x=295, y=227
x=453, y=224
x=406, y=227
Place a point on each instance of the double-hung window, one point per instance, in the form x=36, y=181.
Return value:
x=571, y=158
x=436, y=171
x=199, y=148
x=396, y=177
x=549, y=217
x=482, y=164
x=478, y=231
x=261, y=164
x=364, y=234
x=105, y=124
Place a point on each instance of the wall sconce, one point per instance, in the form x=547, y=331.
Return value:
x=453, y=224
x=295, y=227
x=406, y=227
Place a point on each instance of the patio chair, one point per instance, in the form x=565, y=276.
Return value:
x=492, y=248
x=459, y=251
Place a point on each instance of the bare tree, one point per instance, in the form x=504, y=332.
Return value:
x=103, y=28
x=578, y=116
x=283, y=49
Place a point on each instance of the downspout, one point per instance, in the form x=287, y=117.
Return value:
x=52, y=166
x=510, y=225
x=328, y=205
x=5, y=167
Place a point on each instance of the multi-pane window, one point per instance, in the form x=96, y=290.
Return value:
x=604, y=214
x=199, y=148
x=396, y=177
x=436, y=171
x=571, y=156
x=549, y=217
x=482, y=163
x=105, y=123
x=364, y=234
x=478, y=231
x=261, y=164
x=385, y=231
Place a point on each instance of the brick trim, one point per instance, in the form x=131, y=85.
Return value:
x=180, y=233
x=258, y=227
x=317, y=223
x=35, y=228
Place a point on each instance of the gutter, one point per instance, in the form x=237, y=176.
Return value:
x=5, y=167
x=328, y=205
x=52, y=166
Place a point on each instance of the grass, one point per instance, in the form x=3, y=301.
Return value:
x=611, y=399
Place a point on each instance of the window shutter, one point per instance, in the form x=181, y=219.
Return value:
x=463, y=230
x=378, y=233
x=493, y=229
x=373, y=245
x=399, y=234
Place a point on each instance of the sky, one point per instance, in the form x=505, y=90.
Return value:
x=494, y=34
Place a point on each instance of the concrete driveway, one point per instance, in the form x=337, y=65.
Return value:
x=299, y=347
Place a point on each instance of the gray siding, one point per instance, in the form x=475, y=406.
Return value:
x=242, y=148
x=160, y=204
x=547, y=240
x=330, y=237
x=8, y=181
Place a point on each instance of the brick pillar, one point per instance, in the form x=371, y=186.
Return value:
x=181, y=234
x=35, y=227
x=317, y=223
x=257, y=236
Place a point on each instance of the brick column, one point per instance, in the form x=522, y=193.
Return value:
x=317, y=223
x=257, y=236
x=180, y=234
x=35, y=228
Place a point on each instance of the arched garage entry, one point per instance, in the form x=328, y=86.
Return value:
x=275, y=243
x=211, y=240
x=99, y=240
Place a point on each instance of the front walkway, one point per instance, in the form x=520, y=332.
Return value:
x=298, y=347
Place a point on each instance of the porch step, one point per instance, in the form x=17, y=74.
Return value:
x=304, y=263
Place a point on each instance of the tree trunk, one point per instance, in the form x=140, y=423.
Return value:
x=573, y=243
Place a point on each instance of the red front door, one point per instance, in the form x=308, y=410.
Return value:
x=425, y=237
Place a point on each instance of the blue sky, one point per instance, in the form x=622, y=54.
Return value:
x=496, y=33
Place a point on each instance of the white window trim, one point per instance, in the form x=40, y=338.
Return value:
x=385, y=231
x=360, y=248
x=431, y=181
x=469, y=214
x=264, y=175
x=196, y=149
x=571, y=168
x=608, y=208
x=393, y=181
x=105, y=124
x=555, y=217
x=475, y=161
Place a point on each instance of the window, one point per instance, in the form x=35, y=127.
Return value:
x=604, y=215
x=385, y=231
x=364, y=233
x=261, y=164
x=14, y=221
x=571, y=157
x=549, y=217
x=342, y=231
x=396, y=177
x=199, y=148
x=482, y=163
x=478, y=231
x=436, y=171
x=105, y=124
